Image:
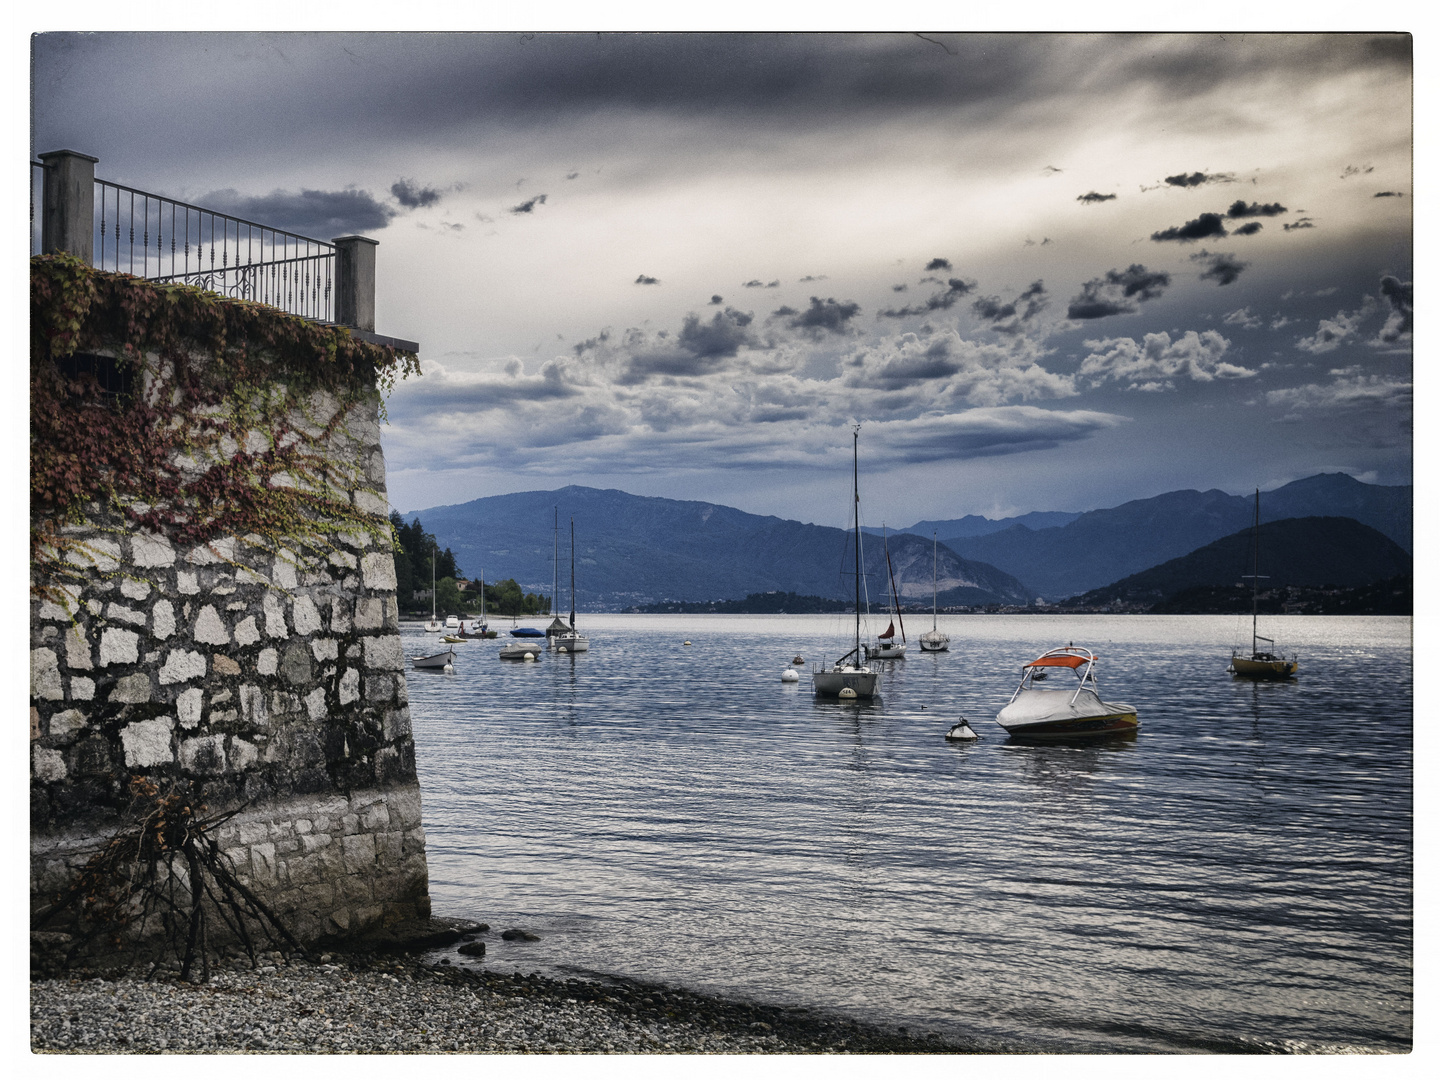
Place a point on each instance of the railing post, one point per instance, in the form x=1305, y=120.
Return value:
x=67, y=218
x=355, y=281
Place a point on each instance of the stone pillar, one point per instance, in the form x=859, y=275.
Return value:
x=355, y=281
x=67, y=220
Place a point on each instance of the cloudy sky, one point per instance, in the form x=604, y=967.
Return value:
x=1044, y=272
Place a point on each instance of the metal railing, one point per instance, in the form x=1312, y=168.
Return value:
x=162, y=239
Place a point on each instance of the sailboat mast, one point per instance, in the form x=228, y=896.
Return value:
x=1255, y=584
x=857, y=544
x=935, y=583
x=555, y=588
x=572, y=573
x=432, y=583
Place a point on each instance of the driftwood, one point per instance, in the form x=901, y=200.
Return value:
x=164, y=885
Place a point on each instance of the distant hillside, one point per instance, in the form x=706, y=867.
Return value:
x=1103, y=546
x=633, y=550
x=1306, y=552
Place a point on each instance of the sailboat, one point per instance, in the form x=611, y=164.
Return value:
x=572, y=640
x=480, y=629
x=933, y=640
x=1261, y=663
x=434, y=626
x=557, y=625
x=888, y=648
x=852, y=678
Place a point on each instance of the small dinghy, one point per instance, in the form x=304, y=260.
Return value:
x=434, y=661
x=519, y=650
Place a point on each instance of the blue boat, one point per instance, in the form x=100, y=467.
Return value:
x=526, y=631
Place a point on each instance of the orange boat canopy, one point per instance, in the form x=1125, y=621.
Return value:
x=1060, y=661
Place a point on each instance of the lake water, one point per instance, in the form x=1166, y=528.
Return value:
x=1236, y=878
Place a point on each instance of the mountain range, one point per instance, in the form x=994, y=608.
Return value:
x=1311, y=551
x=634, y=550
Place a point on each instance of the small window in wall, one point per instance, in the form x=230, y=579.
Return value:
x=115, y=379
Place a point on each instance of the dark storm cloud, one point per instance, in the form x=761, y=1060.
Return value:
x=721, y=336
x=408, y=194
x=955, y=288
x=717, y=299
x=646, y=279
x=900, y=372
x=1241, y=209
x=1355, y=170
x=528, y=206
x=1219, y=268
x=1387, y=195
x=1198, y=229
x=1196, y=179
x=899, y=288
x=1006, y=318
x=991, y=309
x=1250, y=228
x=1401, y=295
x=1301, y=223
x=823, y=316
x=1119, y=292
x=1036, y=300
x=938, y=263
x=318, y=214
x=1093, y=197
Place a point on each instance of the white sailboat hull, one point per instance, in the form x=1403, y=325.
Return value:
x=831, y=681
x=934, y=641
x=572, y=641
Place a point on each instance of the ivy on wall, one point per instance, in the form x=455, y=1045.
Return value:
x=224, y=423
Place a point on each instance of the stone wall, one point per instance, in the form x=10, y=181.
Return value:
x=275, y=682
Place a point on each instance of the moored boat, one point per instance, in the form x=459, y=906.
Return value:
x=1261, y=663
x=848, y=675
x=434, y=661
x=518, y=650
x=886, y=647
x=571, y=640
x=933, y=640
x=1067, y=711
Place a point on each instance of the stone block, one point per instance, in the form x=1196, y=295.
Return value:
x=312, y=842
x=180, y=666
x=369, y=502
x=92, y=756
x=223, y=665
x=274, y=611
x=295, y=665
x=342, y=559
x=384, y=653
x=188, y=705
x=35, y=731
x=252, y=705
x=415, y=842
x=242, y=754
x=45, y=675
x=82, y=689
x=375, y=817
x=147, y=742
x=67, y=724
x=134, y=589
x=268, y=662
x=396, y=724
x=389, y=850
x=349, y=823
x=379, y=688
x=378, y=571
x=264, y=868
x=370, y=614
x=187, y=582
x=162, y=619
x=324, y=648
x=254, y=832
x=283, y=570
x=305, y=616
x=103, y=555
x=120, y=613
x=151, y=549
x=315, y=704
x=69, y=603
x=404, y=805
x=47, y=766
x=246, y=632
x=204, y=755
x=118, y=646
x=349, y=686
x=132, y=690
x=77, y=650
x=210, y=627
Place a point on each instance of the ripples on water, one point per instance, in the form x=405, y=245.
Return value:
x=1237, y=877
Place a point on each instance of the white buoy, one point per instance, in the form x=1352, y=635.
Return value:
x=789, y=675
x=847, y=693
x=561, y=648
x=529, y=656
x=684, y=643
x=962, y=732
x=449, y=669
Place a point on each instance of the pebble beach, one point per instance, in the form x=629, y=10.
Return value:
x=377, y=1004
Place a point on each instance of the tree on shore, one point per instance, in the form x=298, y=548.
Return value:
x=412, y=558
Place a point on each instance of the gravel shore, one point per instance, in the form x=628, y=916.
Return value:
x=376, y=1004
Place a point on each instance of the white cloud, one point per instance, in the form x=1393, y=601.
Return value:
x=1245, y=319
x=1330, y=334
x=1155, y=362
x=1348, y=390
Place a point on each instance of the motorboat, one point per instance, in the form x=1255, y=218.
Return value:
x=1261, y=663
x=518, y=650
x=434, y=661
x=452, y=622
x=933, y=640
x=848, y=676
x=571, y=640
x=1069, y=710
x=886, y=647
x=527, y=632
x=452, y=639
